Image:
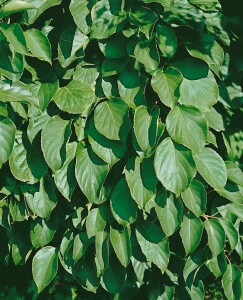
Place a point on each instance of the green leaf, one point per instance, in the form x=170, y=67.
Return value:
x=207, y=49
x=12, y=7
x=230, y=231
x=95, y=222
x=201, y=93
x=114, y=47
x=187, y=126
x=80, y=10
x=145, y=19
x=214, y=119
x=41, y=6
x=141, y=179
x=114, y=276
x=174, y=166
x=167, y=41
x=90, y=173
x=146, y=53
x=113, y=66
x=216, y=236
x=17, y=92
x=121, y=244
x=236, y=209
x=209, y=163
x=108, y=150
x=7, y=136
x=79, y=98
x=65, y=177
x=101, y=251
x=44, y=201
x=80, y=245
x=169, y=211
x=234, y=173
x=42, y=231
x=54, y=137
x=71, y=45
x=158, y=253
x=19, y=161
x=195, y=198
x=232, y=283
x=206, y=4
x=111, y=119
x=166, y=84
x=44, y=267
x=217, y=265
x=104, y=23
x=196, y=291
x=191, y=232
x=123, y=206
x=38, y=44
x=15, y=36
x=146, y=127
x=86, y=74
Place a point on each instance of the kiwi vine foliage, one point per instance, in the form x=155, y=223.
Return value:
x=121, y=146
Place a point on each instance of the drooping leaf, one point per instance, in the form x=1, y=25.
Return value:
x=232, y=282
x=95, y=222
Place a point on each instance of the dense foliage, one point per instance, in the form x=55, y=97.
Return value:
x=120, y=148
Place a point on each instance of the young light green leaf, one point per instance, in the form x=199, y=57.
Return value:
x=174, y=166
x=80, y=10
x=111, y=119
x=191, y=232
x=201, y=93
x=169, y=211
x=187, y=126
x=121, y=244
x=166, y=84
x=12, y=7
x=209, y=163
x=38, y=44
x=79, y=98
x=7, y=137
x=90, y=173
x=54, y=137
x=216, y=236
x=44, y=267
x=104, y=22
x=95, y=222
x=195, y=198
